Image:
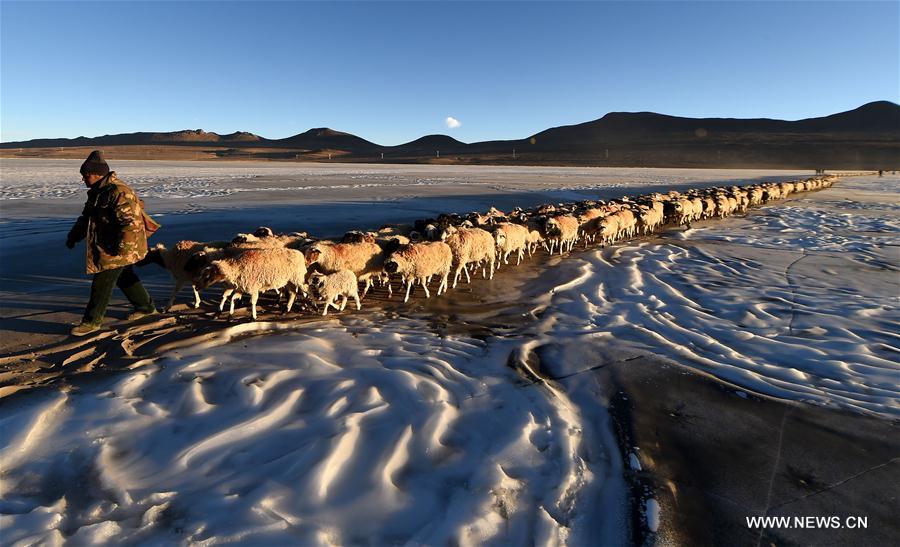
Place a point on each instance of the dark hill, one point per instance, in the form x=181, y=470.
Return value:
x=323, y=138
x=647, y=127
x=429, y=144
x=867, y=137
x=187, y=136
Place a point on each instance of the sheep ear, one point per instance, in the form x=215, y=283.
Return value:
x=312, y=255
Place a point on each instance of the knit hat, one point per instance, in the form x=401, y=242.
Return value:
x=95, y=164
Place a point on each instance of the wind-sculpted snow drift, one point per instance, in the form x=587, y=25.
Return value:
x=327, y=435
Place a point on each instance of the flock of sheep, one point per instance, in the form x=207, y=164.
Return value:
x=299, y=264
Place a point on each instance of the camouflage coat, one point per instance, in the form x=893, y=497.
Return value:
x=113, y=223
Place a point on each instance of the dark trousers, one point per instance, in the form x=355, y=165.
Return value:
x=101, y=292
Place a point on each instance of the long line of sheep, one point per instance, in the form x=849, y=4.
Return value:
x=295, y=263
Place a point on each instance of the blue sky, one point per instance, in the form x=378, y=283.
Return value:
x=391, y=72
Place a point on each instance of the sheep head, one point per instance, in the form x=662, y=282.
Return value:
x=552, y=227
x=396, y=261
x=153, y=256
x=312, y=255
x=196, y=262
x=317, y=281
x=447, y=232
x=355, y=236
x=391, y=265
x=211, y=275
x=244, y=238
x=499, y=238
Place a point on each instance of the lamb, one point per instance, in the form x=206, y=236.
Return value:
x=534, y=238
x=258, y=270
x=177, y=262
x=420, y=261
x=562, y=230
x=509, y=238
x=338, y=284
x=365, y=259
x=470, y=246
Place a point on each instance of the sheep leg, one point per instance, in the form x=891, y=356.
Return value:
x=468, y=278
x=325, y=310
x=178, y=285
x=409, y=285
x=456, y=275
x=196, y=297
x=254, y=296
x=234, y=296
x=367, y=287
x=343, y=302
x=225, y=294
x=444, y=282
x=425, y=286
x=358, y=305
x=292, y=295
x=520, y=256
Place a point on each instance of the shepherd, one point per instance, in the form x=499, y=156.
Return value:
x=115, y=225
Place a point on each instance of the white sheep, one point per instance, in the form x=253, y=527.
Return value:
x=649, y=218
x=535, y=237
x=684, y=211
x=338, y=284
x=562, y=230
x=470, y=246
x=257, y=270
x=510, y=237
x=420, y=261
x=177, y=260
x=365, y=259
x=627, y=222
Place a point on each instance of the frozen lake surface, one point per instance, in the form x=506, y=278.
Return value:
x=282, y=433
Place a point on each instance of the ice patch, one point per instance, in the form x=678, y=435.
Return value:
x=634, y=462
x=652, y=511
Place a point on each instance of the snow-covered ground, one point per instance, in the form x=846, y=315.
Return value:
x=364, y=431
x=798, y=301
x=377, y=428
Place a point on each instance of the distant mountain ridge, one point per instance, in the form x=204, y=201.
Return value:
x=867, y=135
